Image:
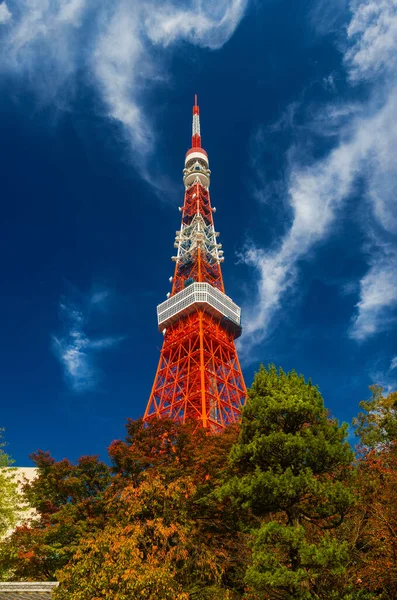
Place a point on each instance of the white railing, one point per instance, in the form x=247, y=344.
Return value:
x=201, y=294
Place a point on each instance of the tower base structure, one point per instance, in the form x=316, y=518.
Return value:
x=198, y=375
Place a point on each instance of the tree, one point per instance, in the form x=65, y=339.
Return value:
x=166, y=535
x=376, y=518
x=174, y=451
x=10, y=501
x=150, y=549
x=171, y=449
x=372, y=528
x=377, y=422
x=293, y=465
x=68, y=503
x=155, y=511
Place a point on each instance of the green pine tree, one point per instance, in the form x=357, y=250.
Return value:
x=293, y=465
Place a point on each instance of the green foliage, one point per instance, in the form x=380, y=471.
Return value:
x=10, y=501
x=377, y=422
x=293, y=467
x=273, y=509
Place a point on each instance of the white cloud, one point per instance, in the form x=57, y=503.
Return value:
x=326, y=16
x=378, y=295
x=42, y=45
x=5, y=14
x=315, y=195
x=100, y=298
x=71, y=11
x=208, y=24
x=372, y=55
x=366, y=148
x=373, y=34
x=112, y=44
x=383, y=375
x=119, y=61
x=122, y=58
x=76, y=350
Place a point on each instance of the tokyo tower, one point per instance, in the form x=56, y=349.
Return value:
x=198, y=375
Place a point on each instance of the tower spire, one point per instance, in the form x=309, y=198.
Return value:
x=198, y=375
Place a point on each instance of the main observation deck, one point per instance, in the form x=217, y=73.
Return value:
x=201, y=295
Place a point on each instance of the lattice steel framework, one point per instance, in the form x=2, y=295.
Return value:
x=199, y=375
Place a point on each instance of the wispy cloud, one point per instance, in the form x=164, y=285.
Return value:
x=75, y=349
x=315, y=195
x=5, y=14
x=373, y=33
x=385, y=376
x=378, y=295
x=327, y=17
x=206, y=24
x=366, y=146
x=113, y=46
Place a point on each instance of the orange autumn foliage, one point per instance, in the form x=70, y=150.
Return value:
x=376, y=521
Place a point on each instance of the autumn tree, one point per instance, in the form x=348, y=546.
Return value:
x=68, y=504
x=372, y=528
x=9, y=498
x=376, y=516
x=376, y=423
x=167, y=533
x=151, y=549
x=293, y=465
x=175, y=451
x=171, y=449
x=151, y=522
x=262, y=511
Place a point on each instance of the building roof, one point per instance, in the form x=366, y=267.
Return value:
x=27, y=590
x=14, y=595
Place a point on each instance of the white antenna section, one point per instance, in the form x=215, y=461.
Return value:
x=196, y=125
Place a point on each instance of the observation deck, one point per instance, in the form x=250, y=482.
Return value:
x=201, y=295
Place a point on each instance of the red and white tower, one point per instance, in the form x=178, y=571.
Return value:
x=199, y=375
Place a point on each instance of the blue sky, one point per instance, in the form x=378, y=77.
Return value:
x=298, y=114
